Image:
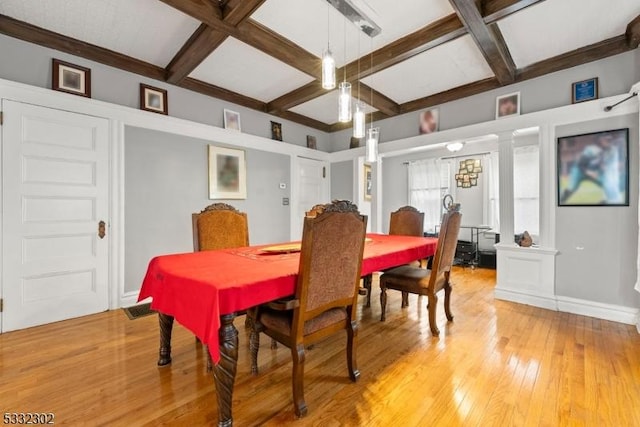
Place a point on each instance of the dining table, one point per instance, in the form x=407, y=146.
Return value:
x=204, y=291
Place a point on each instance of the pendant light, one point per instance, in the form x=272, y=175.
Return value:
x=359, y=124
x=344, y=89
x=328, y=63
x=373, y=134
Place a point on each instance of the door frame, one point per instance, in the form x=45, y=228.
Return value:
x=294, y=232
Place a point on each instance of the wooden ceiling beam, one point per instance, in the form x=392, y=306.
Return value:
x=258, y=36
x=450, y=95
x=32, y=34
x=493, y=48
x=199, y=46
x=296, y=97
x=221, y=93
x=593, y=52
x=494, y=10
x=633, y=33
x=377, y=100
x=236, y=11
x=205, y=11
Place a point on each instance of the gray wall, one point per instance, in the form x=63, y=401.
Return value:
x=342, y=181
x=31, y=64
x=616, y=75
x=166, y=181
x=598, y=245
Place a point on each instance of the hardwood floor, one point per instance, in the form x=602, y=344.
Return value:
x=498, y=363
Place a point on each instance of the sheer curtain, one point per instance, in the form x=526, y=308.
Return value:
x=426, y=190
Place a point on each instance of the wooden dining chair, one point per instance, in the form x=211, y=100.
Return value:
x=219, y=226
x=326, y=292
x=416, y=280
x=406, y=221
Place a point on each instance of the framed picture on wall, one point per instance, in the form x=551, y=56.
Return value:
x=276, y=131
x=507, y=105
x=311, y=142
x=71, y=78
x=368, y=183
x=153, y=99
x=586, y=90
x=593, y=169
x=227, y=173
x=231, y=120
x=429, y=121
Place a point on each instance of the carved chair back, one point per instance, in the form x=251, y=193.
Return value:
x=219, y=226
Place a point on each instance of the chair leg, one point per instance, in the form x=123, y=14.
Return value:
x=254, y=345
x=405, y=299
x=297, y=354
x=383, y=303
x=433, y=302
x=366, y=283
x=352, y=365
x=447, y=302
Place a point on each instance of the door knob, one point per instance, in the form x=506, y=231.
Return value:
x=101, y=229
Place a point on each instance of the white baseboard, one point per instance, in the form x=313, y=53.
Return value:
x=529, y=298
x=615, y=313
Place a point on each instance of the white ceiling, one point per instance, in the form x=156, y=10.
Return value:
x=154, y=32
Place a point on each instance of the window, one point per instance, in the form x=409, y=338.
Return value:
x=429, y=181
x=526, y=189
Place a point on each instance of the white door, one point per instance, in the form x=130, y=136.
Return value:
x=54, y=194
x=313, y=189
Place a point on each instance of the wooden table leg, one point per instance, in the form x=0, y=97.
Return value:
x=224, y=372
x=166, y=327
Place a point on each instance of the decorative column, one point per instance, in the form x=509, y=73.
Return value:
x=505, y=160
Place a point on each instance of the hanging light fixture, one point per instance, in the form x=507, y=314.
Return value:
x=359, y=117
x=328, y=63
x=344, y=89
x=373, y=134
x=372, y=144
x=359, y=120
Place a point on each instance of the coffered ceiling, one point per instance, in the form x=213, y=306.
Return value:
x=265, y=54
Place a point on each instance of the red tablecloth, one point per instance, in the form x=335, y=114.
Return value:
x=197, y=287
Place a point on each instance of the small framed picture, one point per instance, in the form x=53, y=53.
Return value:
x=368, y=183
x=507, y=105
x=153, y=99
x=586, y=90
x=71, y=78
x=429, y=121
x=354, y=142
x=276, y=131
x=311, y=142
x=231, y=120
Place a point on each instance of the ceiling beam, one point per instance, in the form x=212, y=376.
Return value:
x=258, y=36
x=221, y=93
x=493, y=48
x=377, y=100
x=199, y=46
x=217, y=25
x=237, y=11
x=593, y=52
x=32, y=34
x=633, y=33
x=494, y=10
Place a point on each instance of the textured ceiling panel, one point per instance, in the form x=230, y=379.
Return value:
x=112, y=24
x=447, y=66
x=248, y=71
x=554, y=27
